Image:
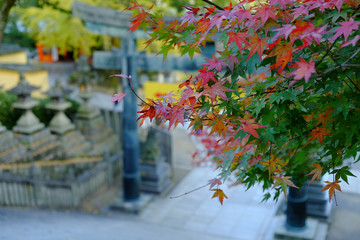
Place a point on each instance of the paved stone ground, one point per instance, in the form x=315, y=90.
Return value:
x=193, y=216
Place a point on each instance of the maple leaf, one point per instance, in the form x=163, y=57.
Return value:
x=219, y=126
x=265, y=12
x=285, y=182
x=249, y=126
x=338, y=4
x=202, y=26
x=284, y=30
x=206, y=75
x=301, y=10
x=345, y=29
x=274, y=164
x=148, y=111
x=216, y=21
x=304, y=70
x=137, y=20
x=319, y=134
x=176, y=115
x=118, y=97
x=230, y=60
x=169, y=97
x=216, y=90
x=308, y=118
x=215, y=63
x=316, y=172
x=256, y=44
x=214, y=182
x=219, y=194
x=239, y=38
x=352, y=42
x=121, y=75
x=324, y=117
x=283, y=53
x=332, y=186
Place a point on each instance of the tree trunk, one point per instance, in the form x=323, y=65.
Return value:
x=5, y=6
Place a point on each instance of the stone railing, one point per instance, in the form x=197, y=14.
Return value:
x=32, y=191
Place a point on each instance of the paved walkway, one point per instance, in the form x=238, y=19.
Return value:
x=193, y=216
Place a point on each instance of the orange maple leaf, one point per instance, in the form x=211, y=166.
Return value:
x=331, y=186
x=256, y=44
x=316, y=172
x=319, y=134
x=308, y=118
x=219, y=126
x=283, y=53
x=219, y=194
x=324, y=117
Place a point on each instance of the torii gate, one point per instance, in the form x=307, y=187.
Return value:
x=115, y=23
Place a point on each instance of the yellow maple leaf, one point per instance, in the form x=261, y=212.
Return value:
x=219, y=194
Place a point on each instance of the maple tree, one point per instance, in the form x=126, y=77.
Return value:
x=280, y=101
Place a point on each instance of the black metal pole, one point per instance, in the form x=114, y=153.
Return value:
x=131, y=174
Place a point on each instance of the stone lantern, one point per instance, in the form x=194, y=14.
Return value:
x=41, y=145
x=72, y=142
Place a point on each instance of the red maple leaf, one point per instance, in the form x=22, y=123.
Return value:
x=239, y=38
x=118, y=97
x=230, y=60
x=352, y=42
x=264, y=12
x=216, y=21
x=301, y=10
x=137, y=20
x=345, y=29
x=250, y=126
x=206, y=75
x=176, y=115
x=148, y=111
x=215, y=63
x=304, y=70
x=216, y=90
x=214, y=182
x=285, y=30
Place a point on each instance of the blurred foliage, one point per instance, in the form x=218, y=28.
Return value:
x=8, y=115
x=15, y=35
x=51, y=23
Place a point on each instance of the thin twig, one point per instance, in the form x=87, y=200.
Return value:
x=132, y=89
x=189, y=191
x=344, y=63
x=357, y=88
x=214, y=4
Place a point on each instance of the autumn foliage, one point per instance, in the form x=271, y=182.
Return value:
x=279, y=102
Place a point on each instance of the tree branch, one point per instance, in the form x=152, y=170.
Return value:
x=214, y=4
